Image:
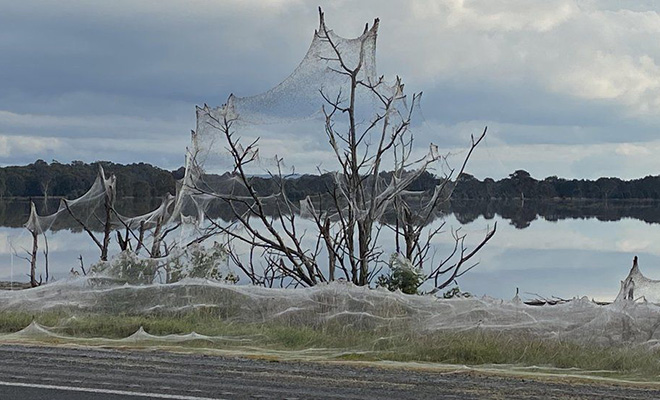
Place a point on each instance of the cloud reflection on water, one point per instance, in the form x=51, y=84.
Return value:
x=566, y=258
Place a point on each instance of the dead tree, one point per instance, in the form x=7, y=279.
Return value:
x=46, y=263
x=31, y=255
x=412, y=220
x=33, y=258
x=108, y=209
x=346, y=240
x=108, y=206
x=34, y=229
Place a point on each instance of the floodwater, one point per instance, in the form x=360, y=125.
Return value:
x=542, y=250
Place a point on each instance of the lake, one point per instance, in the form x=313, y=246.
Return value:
x=562, y=249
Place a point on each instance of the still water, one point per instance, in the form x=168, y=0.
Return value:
x=540, y=249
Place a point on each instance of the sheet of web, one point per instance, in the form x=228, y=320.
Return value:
x=298, y=99
x=337, y=305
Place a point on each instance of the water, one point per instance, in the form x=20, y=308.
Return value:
x=587, y=253
x=566, y=258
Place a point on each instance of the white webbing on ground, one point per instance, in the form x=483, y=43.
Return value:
x=347, y=306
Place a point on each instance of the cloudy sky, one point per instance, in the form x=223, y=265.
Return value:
x=567, y=88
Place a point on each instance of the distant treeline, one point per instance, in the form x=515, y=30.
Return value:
x=144, y=180
x=73, y=180
x=520, y=185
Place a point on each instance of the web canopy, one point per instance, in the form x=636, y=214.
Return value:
x=637, y=287
x=344, y=305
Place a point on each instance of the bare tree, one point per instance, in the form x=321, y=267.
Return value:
x=31, y=257
x=411, y=223
x=346, y=242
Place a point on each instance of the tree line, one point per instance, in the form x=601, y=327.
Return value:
x=142, y=180
x=73, y=180
x=521, y=185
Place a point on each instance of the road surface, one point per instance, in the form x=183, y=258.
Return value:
x=54, y=373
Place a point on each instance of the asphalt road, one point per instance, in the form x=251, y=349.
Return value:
x=36, y=373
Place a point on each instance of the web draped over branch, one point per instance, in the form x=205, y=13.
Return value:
x=87, y=210
x=365, y=122
x=638, y=288
x=299, y=95
x=334, y=97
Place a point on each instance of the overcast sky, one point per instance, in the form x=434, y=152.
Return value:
x=567, y=88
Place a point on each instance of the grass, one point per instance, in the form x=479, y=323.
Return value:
x=475, y=347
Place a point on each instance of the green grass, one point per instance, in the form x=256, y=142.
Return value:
x=470, y=348
x=478, y=348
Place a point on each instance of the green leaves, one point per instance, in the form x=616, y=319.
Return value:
x=403, y=276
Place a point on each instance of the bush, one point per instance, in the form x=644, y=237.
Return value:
x=402, y=276
x=198, y=262
x=195, y=261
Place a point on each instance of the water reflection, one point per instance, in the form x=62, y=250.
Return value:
x=522, y=213
x=563, y=249
x=15, y=212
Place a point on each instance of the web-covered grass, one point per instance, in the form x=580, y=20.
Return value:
x=474, y=348
x=340, y=322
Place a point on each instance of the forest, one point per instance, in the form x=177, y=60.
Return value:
x=521, y=185
x=141, y=180
x=72, y=180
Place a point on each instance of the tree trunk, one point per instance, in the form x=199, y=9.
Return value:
x=332, y=257
x=33, y=259
x=107, y=228
x=155, y=248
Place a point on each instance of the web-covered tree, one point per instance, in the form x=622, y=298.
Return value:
x=366, y=122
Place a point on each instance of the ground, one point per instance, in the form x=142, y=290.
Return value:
x=37, y=372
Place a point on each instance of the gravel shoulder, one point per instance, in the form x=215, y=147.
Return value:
x=129, y=373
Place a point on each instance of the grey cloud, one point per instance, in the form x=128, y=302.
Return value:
x=165, y=153
x=136, y=69
x=61, y=48
x=111, y=126
x=452, y=102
